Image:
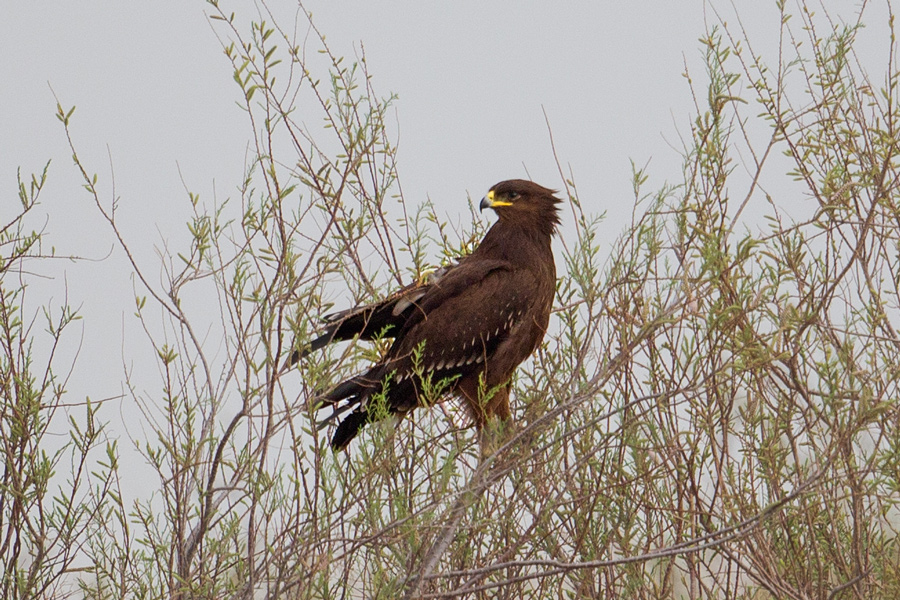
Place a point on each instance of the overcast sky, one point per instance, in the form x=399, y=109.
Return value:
x=156, y=106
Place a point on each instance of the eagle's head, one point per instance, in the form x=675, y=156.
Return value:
x=518, y=200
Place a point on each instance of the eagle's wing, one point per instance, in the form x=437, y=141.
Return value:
x=380, y=319
x=455, y=331
x=463, y=320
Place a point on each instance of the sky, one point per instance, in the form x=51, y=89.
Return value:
x=477, y=84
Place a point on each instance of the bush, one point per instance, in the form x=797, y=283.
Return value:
x=713, y=413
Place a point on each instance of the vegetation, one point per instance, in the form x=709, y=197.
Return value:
x=714, y=412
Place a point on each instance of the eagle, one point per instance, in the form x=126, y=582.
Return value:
x=461, y=331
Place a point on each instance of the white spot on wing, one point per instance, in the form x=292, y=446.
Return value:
x=404, y=303
x=400, y=306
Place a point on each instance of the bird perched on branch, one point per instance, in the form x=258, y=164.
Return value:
x=462, y=331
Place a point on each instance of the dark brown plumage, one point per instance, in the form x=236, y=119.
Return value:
x=471, y=323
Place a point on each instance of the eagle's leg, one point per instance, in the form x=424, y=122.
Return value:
x=492, y=418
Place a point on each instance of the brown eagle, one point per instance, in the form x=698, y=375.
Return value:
x=466, y=327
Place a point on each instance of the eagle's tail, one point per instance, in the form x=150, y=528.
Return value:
x=353, y=389
x=350, y=394
x=348, y=428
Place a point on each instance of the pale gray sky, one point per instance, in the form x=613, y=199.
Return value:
x=155, y=97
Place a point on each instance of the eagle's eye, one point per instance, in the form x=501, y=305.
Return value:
x=513, y=195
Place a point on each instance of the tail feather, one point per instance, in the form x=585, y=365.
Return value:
x=337, y=412
x=354, y=391
x=348, y=429
x=358, y=386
